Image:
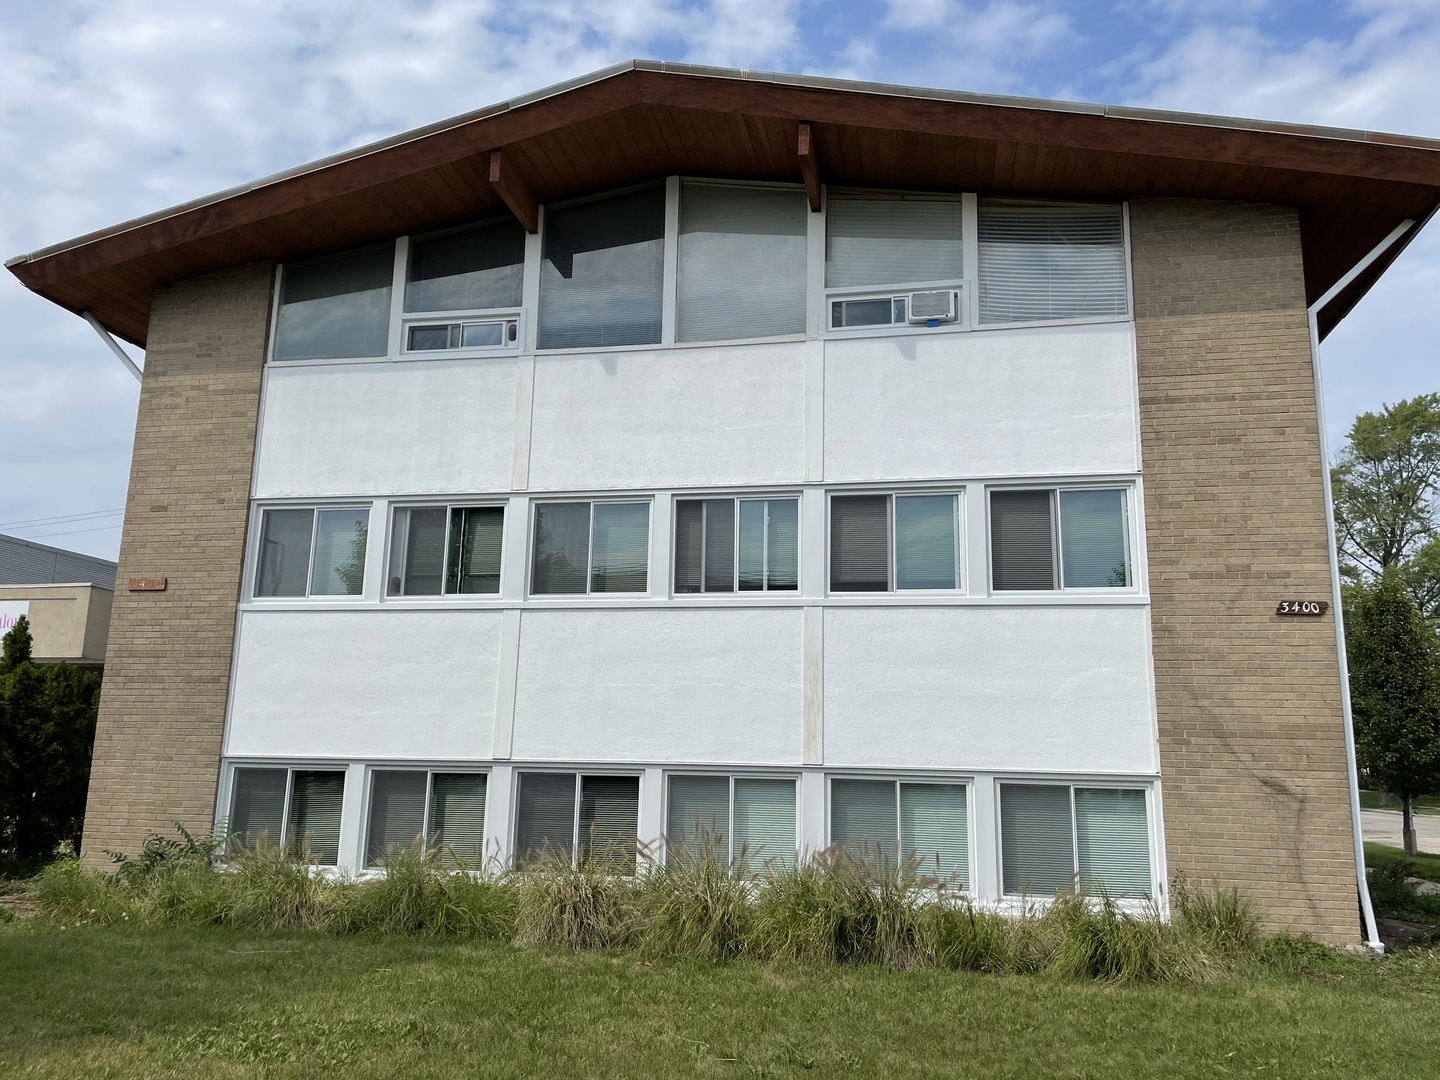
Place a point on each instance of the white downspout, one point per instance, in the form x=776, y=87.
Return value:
x=1366, y=909
x=89, y=317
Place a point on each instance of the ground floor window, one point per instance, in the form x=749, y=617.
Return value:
x=748, y=820
x=572, y=815
x=297, y=807
x=410, y=807
x=883, y=819
x=1054, y=836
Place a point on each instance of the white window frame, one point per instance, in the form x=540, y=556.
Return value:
x=398, y=245
x=403, y=321
x=283, y=840
x=736, y=592
x=369, y=801
x=966, y=780
x=450, y=506
x=257, y=550
x=1101, y=784
x=533, y=532
x=638, y=775
x=730, y=776
x=891, y=493
x=1057, y=539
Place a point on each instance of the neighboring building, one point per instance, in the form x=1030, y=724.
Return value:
x=829, y=462
x=65, y=595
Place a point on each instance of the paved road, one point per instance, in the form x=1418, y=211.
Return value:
x=1383, y=826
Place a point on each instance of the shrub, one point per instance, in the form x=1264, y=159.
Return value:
x=579, y=905
x=423, y=892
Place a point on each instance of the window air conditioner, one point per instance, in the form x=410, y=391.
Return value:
x=932, y=308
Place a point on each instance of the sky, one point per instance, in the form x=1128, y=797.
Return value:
x=110, y=109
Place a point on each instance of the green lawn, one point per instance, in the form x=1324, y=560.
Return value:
x=1383, y=856
x=196, y=1002
x=1426, y=804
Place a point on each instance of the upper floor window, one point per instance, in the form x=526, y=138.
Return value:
x=875, y=240
x=445, y=550
x=583, y=547
x=737, y=545
x=1051, y=260
x=884, y=542
x=1090, y=535
x=336, y=308
x=741, y=257
x=312, y=552
x=602, y=274
x=474, y=269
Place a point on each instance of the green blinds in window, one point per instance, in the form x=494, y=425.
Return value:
x=457, y=816
x=336, y=308
x=601, y=276
x=315, y=801
x=462, y=271
x=562, y=548
x=1050, y=261
x=741, y=262
x=1022, y=540
x=609, y=817
x=474, y=562
x=1036, y=841
x=888, y=240
x=339, y=564
x=620, y=549
x=935, y=831
x=863, y=818
x=927, y=555
x=698, y=819
x=397, y=813
x=257, y=806
x=545, y=816
x=284, y=553
x=860, y=543
x=1094, y=539
x=1114, y=841
x=765, y=822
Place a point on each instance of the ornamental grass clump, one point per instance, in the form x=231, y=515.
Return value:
x=1094, y=939
x=1219, y=921
x=273, y=888
x=579, y=904
x=699, y=903
x=425, y=891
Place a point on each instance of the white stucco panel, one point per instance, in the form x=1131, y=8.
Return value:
x=1043, y=401
x=677, y=418
x=365, y=684
x=688, y=686
x=1062, y=689
x=380, y=429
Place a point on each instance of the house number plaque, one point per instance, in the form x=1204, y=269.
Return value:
x=1302, y=608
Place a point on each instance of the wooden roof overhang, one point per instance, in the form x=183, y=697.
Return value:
x=647, y=120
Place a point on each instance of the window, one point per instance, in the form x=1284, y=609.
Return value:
x=1092, y=538
x=730, y=545
x=442, y=810
x=602, y=274
x=875, y=819
x=445, y=550
x=301, y=806
x=741, y=269
x=583, y=547
x=475, y=269
x=1053, y=835
x=336, y=308
x=312, y=552
x=880, y=543
x=563, y=815
x=1050, y=261
x=743, y=819
x=880, y=240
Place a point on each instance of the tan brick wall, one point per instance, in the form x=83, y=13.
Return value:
x=167, y=672
x=1252, y=751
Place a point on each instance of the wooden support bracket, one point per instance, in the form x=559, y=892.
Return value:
x=512, y=187
x=810, y=167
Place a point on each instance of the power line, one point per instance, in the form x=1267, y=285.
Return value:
x=72, y=532
x=39, y=522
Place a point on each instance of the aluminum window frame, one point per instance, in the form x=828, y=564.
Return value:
x=736, y=592
x=256, y=543
x=892, y=571
x=579, y=774
x=368, y=802
x=503, y=504
x=965, y=780
x=1057, y=552
x=284, y=841
x=535, y=504
x=731, y=776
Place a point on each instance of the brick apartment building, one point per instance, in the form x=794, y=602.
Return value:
x=828, y=462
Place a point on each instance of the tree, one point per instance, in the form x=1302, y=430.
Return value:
x=16, y=646
x=1395, y=693
x=1386, y=486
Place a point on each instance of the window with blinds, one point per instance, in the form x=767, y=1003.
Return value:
x=1092, y=539
x=741, y=262
x=299, y=807
x=412, y=809
x=884, y=239
x=749, y=821
x=736, y=545
x=880, y=543
x=445, y=550
x=595, y=548
x=257, y=806
x=878, y=820
x=336, y=308
x=1050, y=261
x=1054, y=837
x=560, y=815
x=475, y=269
x=312, y=552
x=602, y=272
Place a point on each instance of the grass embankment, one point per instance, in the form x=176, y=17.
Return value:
x=199, y=1002
x=1374, y=800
